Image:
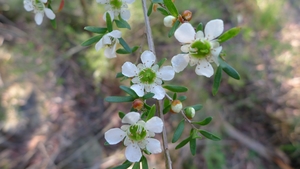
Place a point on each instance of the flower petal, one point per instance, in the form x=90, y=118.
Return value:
x=38, y=18
x=185, y=48
x=136, y=80
x=114, y=135
x=159, y=92
x=133, y=153
x=106, y=40
x=131, y=118
x=166, y=73
x=125, y=14
x=215, y=54
x=155, y=124
x=204, y=68
x=213, y=29
x=185, y=33
x=110, y=52
x=44, y=1
x=102, y=1
x=115, y=34
x=129, y=69
x=153, y=146
x=139, y=89
x=179, y=62
x=148, y=58
x=28, y=6
x=99, y=45
x=111, y=13
x=49, y=13
x=199, y=35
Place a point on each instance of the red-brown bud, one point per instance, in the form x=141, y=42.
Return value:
x=176, y=106
x=187, y=15
x=138, y=104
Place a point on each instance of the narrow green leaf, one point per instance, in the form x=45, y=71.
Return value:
x=171, y=7
x=122, y=51
x=229, y=70
x=157, y=1
x=193, y=146
x=129, y=91
x=92, y=40
x=199, y=27
x=217, y=81
x=167, y=109
x=122, y=24
x=197, y=107
x=124, y=44
x=161, y=62
x=209, y=135
x=121, y=114
x=178, y=131
x=134, y=49
x=148, y=96
x=182, y=98
x=174, y=96
x=173, y=29
x=119, y=75
x=119, y=99
x=150, y=9
x=163, y=11
x=204, y=122
x=109, y=22
x=53, y=23
x=144, y=162
x=175, y=88
x=229, y=34
x=125, y=165
x=183, y=143
x=136, y=166
x=95, y=29
x=151, y=112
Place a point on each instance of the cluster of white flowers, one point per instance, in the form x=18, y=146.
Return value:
x=38, y=7
x=116, y=8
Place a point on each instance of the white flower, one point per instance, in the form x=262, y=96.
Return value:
x=38, y=7
x=109, y=41
x=201, y=48
x=147, y=76
x=116, y=7
x=137, y=135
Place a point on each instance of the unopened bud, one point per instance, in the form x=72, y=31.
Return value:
x=180, y=18
x=187, y=15
x=176, y=106
x=155, y=7
x=138, y=104
x=169, y=21
x=189, y=112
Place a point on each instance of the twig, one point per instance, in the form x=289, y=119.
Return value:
x=160, y=102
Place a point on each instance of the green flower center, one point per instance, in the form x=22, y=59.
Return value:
x=136, y=132
x=147, y=76
x=116, y=4
x=200, y=49
x=38, y=5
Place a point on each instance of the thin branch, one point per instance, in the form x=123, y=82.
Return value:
x=160, y=102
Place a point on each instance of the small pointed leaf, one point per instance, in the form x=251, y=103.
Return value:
x=193, y=146
x=95, y=29
x=209, y=135
x=204, y=122
x=92, y=40
x=171, y=7
x=178, y=131
x=229, y=34
x=175, y=88
x=119, y=99
x=129, y=91
x=217, y=81
x=183, y=143
x=173, y=29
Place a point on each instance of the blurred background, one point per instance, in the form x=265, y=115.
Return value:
x=52, y=90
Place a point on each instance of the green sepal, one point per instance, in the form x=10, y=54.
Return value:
x=150, y=9
x=199, y=27
x=125, y=165
x=182, y=98
x=171, y=7
x=163, y=11
x=175, y=88
x=129, y=91
x=161, y=62
x=95, y=29
x=229, y=34
x=119, y=75
x=173, y=29
x=217, y=81
x=183, y=143
x=121, y=23
x=119, y=99
x=151, y=112
x=106, y=143
x=148, y=96
x=144, y=162
x=125, y=45
x=121, y=114
x=209, y=135
x=193, y=146
x=109, y=22
x=204, y=122
x=178, y=131
x=92, y=40
x=229, y=70
x=136, y=165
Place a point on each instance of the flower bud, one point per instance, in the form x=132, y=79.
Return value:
x=189, y=112
x=138, y=104
x=187, y=15
x=169, y=21
x=176, y=106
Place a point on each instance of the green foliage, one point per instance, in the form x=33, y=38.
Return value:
x=144, y=162
x=217, y=81
x=121, y=114
x=199, y=27
x=151, y=112
x=121, y=23
x=125, y=45
x=176, y=88
x=92, y=40
x=193, y=146
x=183, y=143
x=178, y=131
x=204, y=122
x=163, y=11
x=95, y=29
x=173, y=29
x=150, y=9
x=171, y=7
x=109, y=22
x=197, y=107
x=125, y=165
x=229, y=34
x=161, y=62
x=119, y=99
x=129, y=91
x=209, y=135
x=182, y=98
x=229, y=70
x=148, y=96
x=136, y=166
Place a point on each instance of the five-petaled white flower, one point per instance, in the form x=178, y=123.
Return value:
x=137, y=135
x=148, y=76
x=109, y=41
x=38, y=7
x=200, y=48
x=116, y=7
